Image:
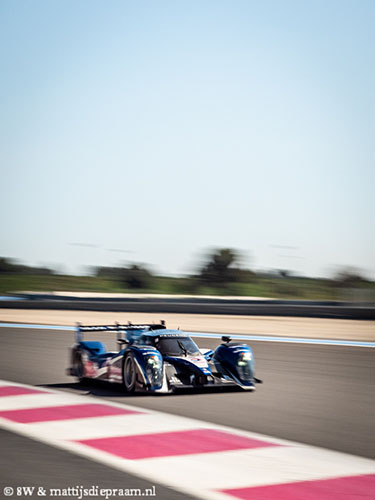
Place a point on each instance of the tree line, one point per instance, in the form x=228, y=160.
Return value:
x=221, y=267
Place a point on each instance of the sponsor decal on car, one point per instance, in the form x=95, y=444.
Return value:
x=200, y=362
x=91, y=369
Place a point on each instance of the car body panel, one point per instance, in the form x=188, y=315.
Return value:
x=164, y=360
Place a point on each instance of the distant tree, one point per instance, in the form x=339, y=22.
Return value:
x=220, y=267
x=6, y=265
x=135, y=276
x=284, y=273
x=112, y=273
x=10, y=267
x=349, y=277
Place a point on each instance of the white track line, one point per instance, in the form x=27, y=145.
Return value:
x=254, y=338
x=113, y=425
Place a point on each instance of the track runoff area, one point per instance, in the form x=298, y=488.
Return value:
x=194, y=457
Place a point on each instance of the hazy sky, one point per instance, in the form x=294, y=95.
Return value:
x=167, y=127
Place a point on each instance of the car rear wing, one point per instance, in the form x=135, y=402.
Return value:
x=116, y=328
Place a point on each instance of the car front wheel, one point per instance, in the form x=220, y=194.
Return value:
x=129, y=373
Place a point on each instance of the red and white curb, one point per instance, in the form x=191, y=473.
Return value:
x=198, y=458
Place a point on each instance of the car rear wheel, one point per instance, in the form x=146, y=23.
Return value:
x=78, y=366
x=129, y=373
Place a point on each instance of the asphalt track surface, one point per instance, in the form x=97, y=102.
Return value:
x=316, y=394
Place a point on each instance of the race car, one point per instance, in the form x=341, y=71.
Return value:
x=155, y=359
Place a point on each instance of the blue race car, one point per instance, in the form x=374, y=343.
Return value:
x=155, y=359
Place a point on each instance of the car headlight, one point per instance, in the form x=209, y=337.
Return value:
x=154, y=361
x=154, y=370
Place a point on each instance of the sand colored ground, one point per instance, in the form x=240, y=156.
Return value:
x=263, y=325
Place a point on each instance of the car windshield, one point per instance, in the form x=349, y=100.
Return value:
x=177, y=346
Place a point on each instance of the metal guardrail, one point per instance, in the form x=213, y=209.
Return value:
x=297, y=308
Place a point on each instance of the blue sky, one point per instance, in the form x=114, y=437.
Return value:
x=164, y=128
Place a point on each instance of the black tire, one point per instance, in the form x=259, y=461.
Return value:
x=78, y=366
x=129, y=373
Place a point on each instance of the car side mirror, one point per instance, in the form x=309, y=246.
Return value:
x=122, y=341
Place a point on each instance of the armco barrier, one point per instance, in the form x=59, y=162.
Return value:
x=312, y=309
